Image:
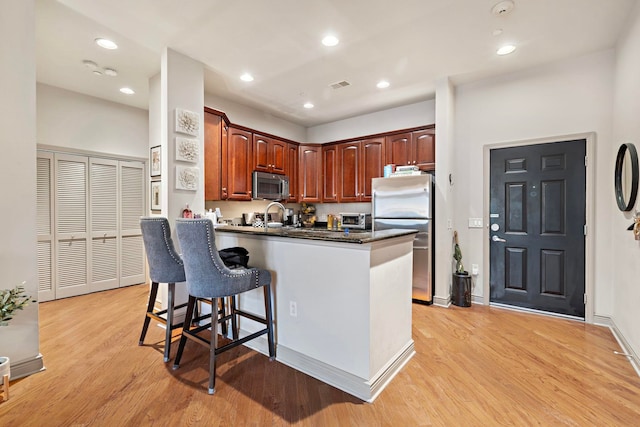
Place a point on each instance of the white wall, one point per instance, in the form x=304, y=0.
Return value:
x=568, y=97
x=75, y=121
x=407, y=116
x=255, y=119
x=625, y=259
x=18, y=255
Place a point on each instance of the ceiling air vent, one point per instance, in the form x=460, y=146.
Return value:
x=341, y=84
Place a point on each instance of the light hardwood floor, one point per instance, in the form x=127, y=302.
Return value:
x=475, y=366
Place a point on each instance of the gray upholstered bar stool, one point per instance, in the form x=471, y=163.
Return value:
x=208, y=277
x=165, y=266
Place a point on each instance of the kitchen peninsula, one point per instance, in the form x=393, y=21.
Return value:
x=342, y=302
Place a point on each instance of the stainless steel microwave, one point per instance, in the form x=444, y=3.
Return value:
x=360, y=221
x=270, y=186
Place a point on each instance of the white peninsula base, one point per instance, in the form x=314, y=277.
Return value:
x=342, y=310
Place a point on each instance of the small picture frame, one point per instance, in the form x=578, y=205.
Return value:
x=155, y=161
x=187, y=149
x=156, y=194
x=187, y=178
x=187, y=122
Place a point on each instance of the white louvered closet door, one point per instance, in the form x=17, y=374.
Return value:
x=44, y=225
x=73, y=251
x=103, y=224
x=132, y=207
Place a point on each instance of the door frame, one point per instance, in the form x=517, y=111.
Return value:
x=589, y=275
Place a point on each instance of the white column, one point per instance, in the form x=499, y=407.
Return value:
x=18, y=255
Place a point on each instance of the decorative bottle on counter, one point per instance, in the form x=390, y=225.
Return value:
x=187, y=213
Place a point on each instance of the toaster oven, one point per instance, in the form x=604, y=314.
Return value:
x=360, y=221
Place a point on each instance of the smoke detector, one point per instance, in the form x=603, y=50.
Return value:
x=503, y=8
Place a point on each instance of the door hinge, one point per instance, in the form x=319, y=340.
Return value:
x=585, y=229
x=585, y=160
x=585, y=299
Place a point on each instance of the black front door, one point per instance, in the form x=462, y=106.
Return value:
x=537, y=222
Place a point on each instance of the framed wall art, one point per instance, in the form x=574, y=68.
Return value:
x=187, y=178
x=187, y=122
x=155, y=193
x=155, y=161
x=187, y=149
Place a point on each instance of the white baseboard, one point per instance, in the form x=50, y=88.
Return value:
x=625, y=346
x=442, y=301
x=27, y=367
x=362, y=388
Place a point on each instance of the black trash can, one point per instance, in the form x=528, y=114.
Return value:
x=461, y=289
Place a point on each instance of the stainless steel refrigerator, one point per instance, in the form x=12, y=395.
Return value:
x=407, y=202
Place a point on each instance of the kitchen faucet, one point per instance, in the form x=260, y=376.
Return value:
x=266, y=214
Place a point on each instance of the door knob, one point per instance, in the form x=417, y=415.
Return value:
x=498, y=239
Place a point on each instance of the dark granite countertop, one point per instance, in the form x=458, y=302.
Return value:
x=353, y=236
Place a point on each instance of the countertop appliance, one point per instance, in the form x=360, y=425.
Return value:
x=359, y=221
x=270, y=186
x=407, y=202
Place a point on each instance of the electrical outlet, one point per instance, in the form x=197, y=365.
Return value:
x=474, y=269
x=449, y=224
x=293, y=309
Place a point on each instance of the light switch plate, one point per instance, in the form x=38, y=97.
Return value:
x=475, y=222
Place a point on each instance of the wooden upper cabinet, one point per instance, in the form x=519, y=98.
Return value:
x=412, y=148
x=309, y=173
x=291, y=171
x=330, y=173
x=398, y=149
x=349, y=164
x=213, y=126
x=358, y=163
x=371, y=165
x=424, y=142
x=239, y=164
x=269, y=154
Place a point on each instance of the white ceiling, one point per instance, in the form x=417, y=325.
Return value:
x=411, y=43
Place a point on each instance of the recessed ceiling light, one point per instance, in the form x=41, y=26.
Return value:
x=106, y=43
x=246, y=77
x=330, y=40
x=308, y=105
x=382, y=84
x=506, y=49
x=127, y=91
x=110, y=72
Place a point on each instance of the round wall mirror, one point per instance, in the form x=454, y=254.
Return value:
x=626, y=177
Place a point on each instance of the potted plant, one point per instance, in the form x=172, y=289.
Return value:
x=10, y=301
x=461, y=280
